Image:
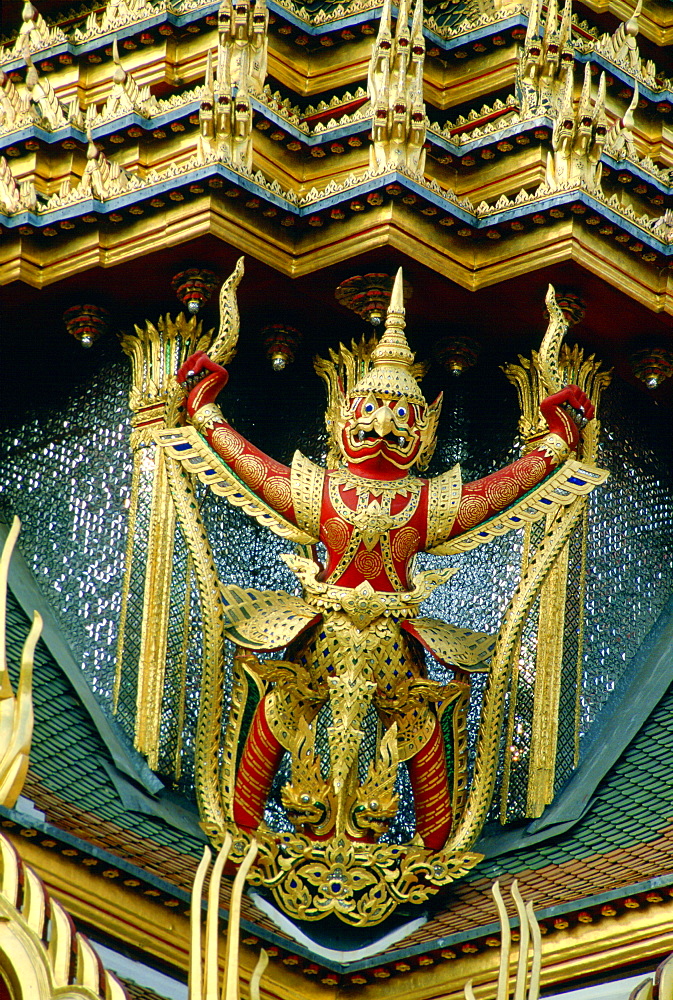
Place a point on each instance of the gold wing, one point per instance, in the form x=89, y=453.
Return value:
x=570, y=480
x=196, y=456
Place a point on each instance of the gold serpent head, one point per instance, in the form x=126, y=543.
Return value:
x=308, y=798
x=375, y=802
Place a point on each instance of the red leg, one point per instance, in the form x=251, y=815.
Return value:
x=259, y=763
x=432, y=799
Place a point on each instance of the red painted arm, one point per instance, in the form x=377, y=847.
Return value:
x=266, y=477
x=485, y=497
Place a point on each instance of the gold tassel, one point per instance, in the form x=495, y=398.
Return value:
x=531, y=379
x=549, y=663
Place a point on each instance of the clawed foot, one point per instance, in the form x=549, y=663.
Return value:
x=570, y=404
x=202, y=378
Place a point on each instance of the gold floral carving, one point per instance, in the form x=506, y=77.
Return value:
x=362, y=884
x=363, y=604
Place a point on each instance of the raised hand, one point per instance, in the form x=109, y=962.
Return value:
x=555, y=409
x=204, y=379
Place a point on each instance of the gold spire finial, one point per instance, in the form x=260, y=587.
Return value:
x=391, y=373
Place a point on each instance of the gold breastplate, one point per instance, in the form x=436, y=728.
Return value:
x=372, y=521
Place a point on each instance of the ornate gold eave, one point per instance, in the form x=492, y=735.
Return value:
x=470, y=263
x=656, y=20
x=306, y=74
x=636, y=935
x=309, y=75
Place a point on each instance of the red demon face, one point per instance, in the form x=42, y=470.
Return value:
x=378, y=429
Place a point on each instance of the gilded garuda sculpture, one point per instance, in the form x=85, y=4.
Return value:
x=355, y=642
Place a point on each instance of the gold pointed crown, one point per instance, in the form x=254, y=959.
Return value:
x=391, y=375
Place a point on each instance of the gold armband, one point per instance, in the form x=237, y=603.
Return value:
x=444, y=494
x=554, y=447
x=207, y=417
x=306, y=481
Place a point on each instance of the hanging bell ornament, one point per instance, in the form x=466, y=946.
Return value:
x=368, y=295
x=86, y=323
x=281, y=343
x=652, y=365
x=194, y=287
x=457, y=354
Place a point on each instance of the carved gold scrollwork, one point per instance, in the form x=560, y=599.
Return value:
x=359, y=883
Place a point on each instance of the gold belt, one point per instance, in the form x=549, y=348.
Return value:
x=363, y=604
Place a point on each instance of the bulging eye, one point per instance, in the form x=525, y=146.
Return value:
x=401, y=411
x=369, y=408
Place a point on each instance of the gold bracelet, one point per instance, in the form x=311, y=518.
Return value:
x=554, y=447
x=207, y=417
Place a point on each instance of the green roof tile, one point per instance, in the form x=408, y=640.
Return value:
x=68, y=753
